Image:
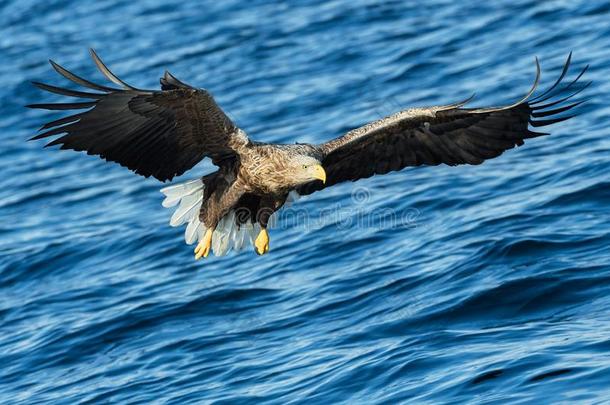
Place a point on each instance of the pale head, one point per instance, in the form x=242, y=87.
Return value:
x=304, y=169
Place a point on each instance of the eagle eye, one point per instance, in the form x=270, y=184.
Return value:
x=304, y=166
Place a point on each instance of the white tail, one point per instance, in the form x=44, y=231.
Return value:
x=227, y=234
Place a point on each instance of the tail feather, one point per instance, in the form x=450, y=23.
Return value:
x=192, y=231
x=173, y=194
x=228, y=235
x=188, y=209
x=221, y=237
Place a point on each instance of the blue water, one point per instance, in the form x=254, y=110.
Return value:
x=495, y=288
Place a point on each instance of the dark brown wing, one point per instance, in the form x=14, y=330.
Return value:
x=154, y=133
x=444, y=134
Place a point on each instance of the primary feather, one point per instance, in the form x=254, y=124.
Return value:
x=154, y=133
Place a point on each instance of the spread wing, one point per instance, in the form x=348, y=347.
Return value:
x=154, y=133
x=446, y=134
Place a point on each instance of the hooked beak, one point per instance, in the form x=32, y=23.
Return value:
x=318, y=173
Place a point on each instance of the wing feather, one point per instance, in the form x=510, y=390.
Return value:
x=154, y=133
x=448, y=134
x=79, y=80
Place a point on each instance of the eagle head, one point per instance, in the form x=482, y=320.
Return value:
x=304, y=169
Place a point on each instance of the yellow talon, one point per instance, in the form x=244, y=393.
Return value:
x=261, y=244
x=203, y=248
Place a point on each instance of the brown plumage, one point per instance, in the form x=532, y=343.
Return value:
x=165, y=133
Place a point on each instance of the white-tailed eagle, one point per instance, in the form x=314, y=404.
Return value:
x=163, y=133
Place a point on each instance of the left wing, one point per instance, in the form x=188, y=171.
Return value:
x=154, y=133
x=446, y=134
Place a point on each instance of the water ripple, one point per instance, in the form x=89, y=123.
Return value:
x=494, y=290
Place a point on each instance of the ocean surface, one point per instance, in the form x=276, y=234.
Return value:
x=481, y=284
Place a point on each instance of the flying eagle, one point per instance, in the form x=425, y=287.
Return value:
x=163, y=133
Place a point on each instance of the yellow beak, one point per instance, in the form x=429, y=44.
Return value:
x=318, y=173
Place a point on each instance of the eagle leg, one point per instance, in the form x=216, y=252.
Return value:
x=204, y=246
x=261, y=244
x=268, y=205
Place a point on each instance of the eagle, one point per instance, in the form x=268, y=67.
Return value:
x=163, y=133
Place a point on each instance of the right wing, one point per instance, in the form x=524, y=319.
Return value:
x=154, y=133
x=449, y=134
